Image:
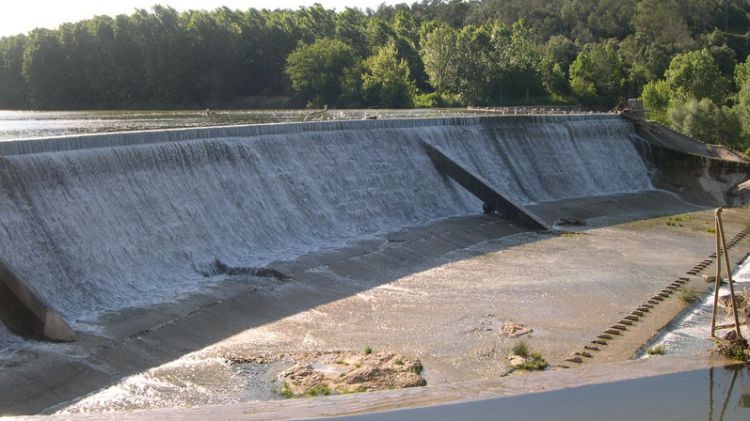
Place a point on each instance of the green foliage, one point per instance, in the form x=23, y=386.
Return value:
x=742, y=109
x=689, y=295
x=724, y=58
x=663, y=22
x=350, y=28
x=534, y=362
x=285, y=392
x=483, y=52
x=418, y=367
x=656, y=96
x=695, y=74
x=520, y=348
x=442, y=61
x=436, y=100
x=14, y=92
x=689, y=99
x=45, y=67
x=600, y=19
x=316, y=70
x=386, y=81
x=321, y=390
x=742, y=73
x=559, y=53
x=706, y=121
x=598, y=74
x=484, y=64
x=656, y=350
x=367, y=350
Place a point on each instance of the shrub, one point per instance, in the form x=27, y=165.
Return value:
x=521, y=349
x=656, y=350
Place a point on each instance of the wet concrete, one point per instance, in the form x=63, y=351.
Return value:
x=439, y=293
x=529, y=389
x=714, y=394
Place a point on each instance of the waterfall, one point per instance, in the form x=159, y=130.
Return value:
x=103, y=222
x=544, y=159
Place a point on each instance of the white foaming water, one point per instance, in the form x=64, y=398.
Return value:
x=548, y=158
x=691, y=334
x=8, y=344
x=98, y=223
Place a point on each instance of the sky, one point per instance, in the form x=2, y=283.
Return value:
x=21, y=16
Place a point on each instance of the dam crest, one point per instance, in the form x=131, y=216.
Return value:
x=99, y=223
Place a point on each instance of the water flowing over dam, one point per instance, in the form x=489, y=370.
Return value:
x=104, y=222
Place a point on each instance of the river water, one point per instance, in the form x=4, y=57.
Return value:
x=31, y=124
x=690, y=334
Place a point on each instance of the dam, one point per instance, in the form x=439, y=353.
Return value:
x=94, y=226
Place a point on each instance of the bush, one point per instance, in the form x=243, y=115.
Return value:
x=535, y=363
x=656, y=350
x=689, y=295
x=706, y=121
x=521, y=349
x=436, y=100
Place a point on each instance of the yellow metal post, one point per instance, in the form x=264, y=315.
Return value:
x=722, y=252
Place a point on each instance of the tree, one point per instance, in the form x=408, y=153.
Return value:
x=522, y=72
x=598, y=74
x=708, y=122
x=315, y=22
x=88, y=47
x=386, y=80
x=316, y=70
x=485, y=64
x=45, y=69
x=442, y=60
x=558, y=54
x=742, y=105
x=470, y=52
x=14, y=92
x=663, y=22
x=407, y=25
x=695, y=74
x=600, y=19
x=742, y=73
x=350, y=28
x=656, y=97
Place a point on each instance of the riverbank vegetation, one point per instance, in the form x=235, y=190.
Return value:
x=686, y=58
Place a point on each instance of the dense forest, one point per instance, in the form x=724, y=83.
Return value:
x=687, y=59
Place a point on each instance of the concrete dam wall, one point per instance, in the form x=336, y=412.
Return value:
x=99, y=223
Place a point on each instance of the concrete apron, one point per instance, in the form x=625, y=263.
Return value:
x=354, y=404
x=454, y=273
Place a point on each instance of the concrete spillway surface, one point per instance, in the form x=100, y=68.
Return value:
x=99, y=225
x=102, y=228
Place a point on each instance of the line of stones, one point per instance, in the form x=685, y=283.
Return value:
x=621, y=327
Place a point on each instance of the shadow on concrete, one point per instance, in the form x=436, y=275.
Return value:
x=139, y=339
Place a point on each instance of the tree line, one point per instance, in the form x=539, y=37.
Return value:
x=686, y=58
